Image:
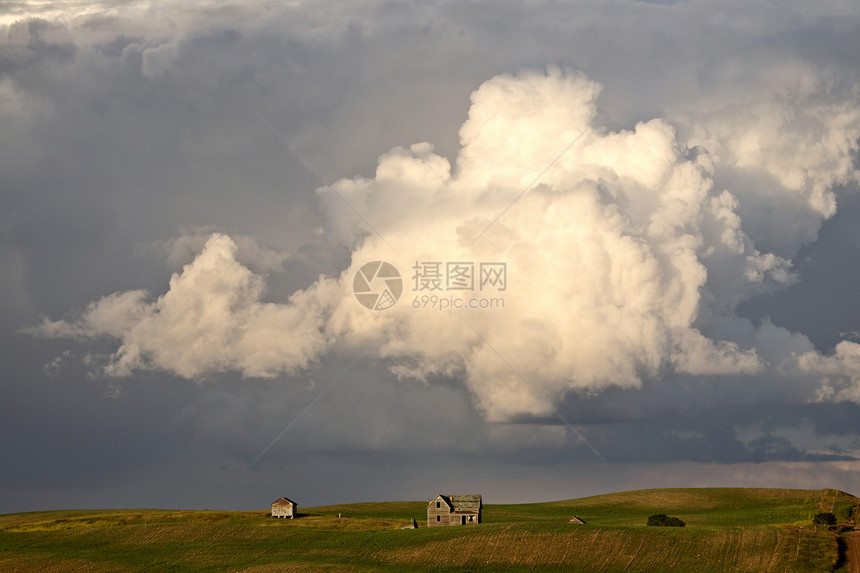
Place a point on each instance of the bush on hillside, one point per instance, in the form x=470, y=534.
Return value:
x=663, y=520
x=824, y=518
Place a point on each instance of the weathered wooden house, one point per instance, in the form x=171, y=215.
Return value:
x=283, y=507
x=454, y=510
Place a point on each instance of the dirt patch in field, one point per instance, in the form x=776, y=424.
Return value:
x=853, y=552
x=49, y=565
x=295, y=568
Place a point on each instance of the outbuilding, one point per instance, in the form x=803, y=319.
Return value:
x=283, y=507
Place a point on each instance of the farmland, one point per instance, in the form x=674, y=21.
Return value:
x=727, y=530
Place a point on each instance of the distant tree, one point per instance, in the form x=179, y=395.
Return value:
x=663, y=520
x=826, y=518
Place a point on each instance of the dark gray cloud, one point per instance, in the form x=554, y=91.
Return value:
x=821, y=304
x=130, y=135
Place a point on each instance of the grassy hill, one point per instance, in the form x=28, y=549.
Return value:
x=727, y=529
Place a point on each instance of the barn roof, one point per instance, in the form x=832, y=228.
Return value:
x=462, y=502
x=283, y=500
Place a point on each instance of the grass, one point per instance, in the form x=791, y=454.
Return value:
x=728, y=530
x=705, y=506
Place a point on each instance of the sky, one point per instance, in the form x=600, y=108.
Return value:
x=360, y=251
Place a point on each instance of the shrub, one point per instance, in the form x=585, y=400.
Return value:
x=663, y=520
x=824, y=518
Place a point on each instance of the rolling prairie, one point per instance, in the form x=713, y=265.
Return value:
x=728, y=529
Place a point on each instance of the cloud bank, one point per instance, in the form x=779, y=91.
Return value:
x=627, y=251
x=671, y=186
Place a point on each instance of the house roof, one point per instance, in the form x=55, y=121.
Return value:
x=461, y=502
x=283, y=501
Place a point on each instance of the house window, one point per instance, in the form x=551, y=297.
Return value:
x=438, y=518
x=471, y=517
x=438, y=504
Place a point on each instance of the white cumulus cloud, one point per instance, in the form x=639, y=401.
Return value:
x=626, y=251
x=211, y=319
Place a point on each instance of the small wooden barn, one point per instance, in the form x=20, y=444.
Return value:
x=454, y=510
x=283, y=507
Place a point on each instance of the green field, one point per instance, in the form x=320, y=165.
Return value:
x=727, y=529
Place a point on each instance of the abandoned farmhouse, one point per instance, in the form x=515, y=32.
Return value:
x=454, y=510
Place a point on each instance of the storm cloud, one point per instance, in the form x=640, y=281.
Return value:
x=189, y=194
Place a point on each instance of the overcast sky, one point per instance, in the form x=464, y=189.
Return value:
x=652, y=208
